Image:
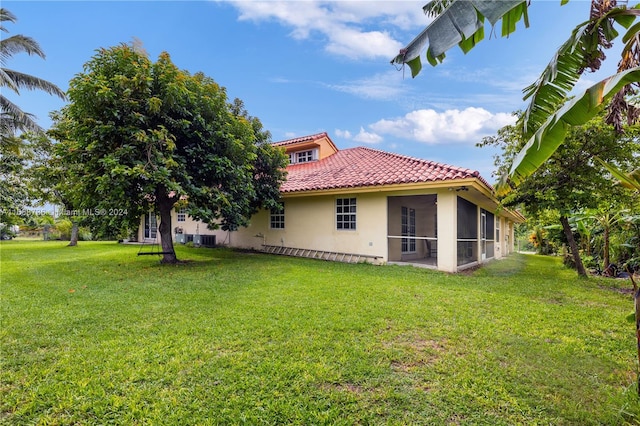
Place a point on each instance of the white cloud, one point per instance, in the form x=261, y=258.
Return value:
x=356, y=44
x=383, y=86
x=344, y=24
x=366, y=137
x=343, y=134
x=432, y=127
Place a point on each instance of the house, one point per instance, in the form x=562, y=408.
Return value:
x=363, y=204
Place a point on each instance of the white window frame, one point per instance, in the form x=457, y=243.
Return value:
x=306, y=156
x=181, y=214
x=277, y=218
x=346, y=214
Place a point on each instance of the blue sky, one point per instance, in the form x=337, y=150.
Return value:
x=305, y=66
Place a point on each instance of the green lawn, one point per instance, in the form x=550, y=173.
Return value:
x=96, y=335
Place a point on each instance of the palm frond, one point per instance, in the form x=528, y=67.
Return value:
x=29, y=82
x=5, y=15
x=6, y=81
x=19, y=44
x=14, y=118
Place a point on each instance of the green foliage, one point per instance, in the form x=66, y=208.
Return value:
x=12, y=119
x=546, y=122
x=459, y=23
x=140, y=135
x=99, y=336
x=64, y=229
x=551, y=134
x=571, y=181
x=20, y=187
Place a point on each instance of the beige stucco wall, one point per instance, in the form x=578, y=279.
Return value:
x=310, y=223
x=189, y=226
x=447, y=231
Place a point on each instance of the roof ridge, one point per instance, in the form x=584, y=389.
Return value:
x=421, y=160
x=302, y=138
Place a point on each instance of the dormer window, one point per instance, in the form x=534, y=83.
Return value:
x=303, y=156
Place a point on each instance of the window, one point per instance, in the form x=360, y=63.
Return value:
x=408, y=230
x=303, y=156
x=277, y=218
x=346, y=213
x=182, y=214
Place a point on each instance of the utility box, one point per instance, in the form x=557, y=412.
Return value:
x=208, y=240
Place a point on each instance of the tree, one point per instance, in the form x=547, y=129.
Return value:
x=571, y=180
x=12, y=118
x=143, y=135
x=549, y=116
x=52, y=179
x=14, y=193
x=15, y=152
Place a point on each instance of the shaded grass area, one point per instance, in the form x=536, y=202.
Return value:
x=96, y=335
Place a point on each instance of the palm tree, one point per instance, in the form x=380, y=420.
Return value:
x=550, y=112
x=12, y=118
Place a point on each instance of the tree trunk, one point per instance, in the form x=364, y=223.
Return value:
x=606, y=256
x=73, y=241
x=165, y=204
x=573, y=246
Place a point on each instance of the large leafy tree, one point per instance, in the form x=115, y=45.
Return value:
x=144, y=135
x=572, y=179
x=550, y=114
x=12, y=118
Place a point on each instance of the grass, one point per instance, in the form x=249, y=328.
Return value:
x=96, y=335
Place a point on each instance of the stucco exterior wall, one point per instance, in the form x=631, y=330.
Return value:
x=188, y=226
x=447, y=231
x=310, y=223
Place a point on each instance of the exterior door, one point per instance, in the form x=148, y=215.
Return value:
x=150, y=226
x=408, y=225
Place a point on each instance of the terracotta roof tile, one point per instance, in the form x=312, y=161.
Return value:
x=302, y=139
x=366, y=167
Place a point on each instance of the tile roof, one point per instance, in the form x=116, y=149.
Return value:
x=302, y=139
x=366, y=167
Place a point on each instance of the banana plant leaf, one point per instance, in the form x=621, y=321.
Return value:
x=551, y=134
x=462, y=23
x=550, y=90
x=629, y=180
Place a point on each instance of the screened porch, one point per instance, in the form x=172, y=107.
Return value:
x=412, y=230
